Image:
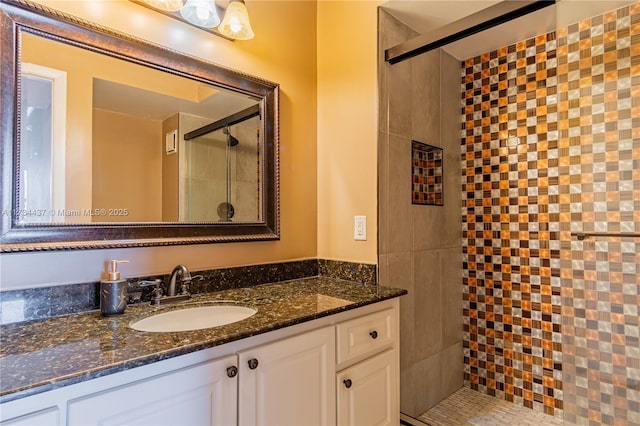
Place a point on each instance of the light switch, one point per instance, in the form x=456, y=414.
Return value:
x=360, y=228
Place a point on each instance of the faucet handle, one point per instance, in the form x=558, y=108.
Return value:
x=184, y=287
x=147, y=283
x=156, y=293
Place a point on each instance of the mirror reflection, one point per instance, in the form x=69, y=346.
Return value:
x=105, y=140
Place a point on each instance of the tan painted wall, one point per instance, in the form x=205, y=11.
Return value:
x=37, y=50
x=284, y=50
x=347, y=128
x=73, y=60
x=126, y=175
x=170, y=175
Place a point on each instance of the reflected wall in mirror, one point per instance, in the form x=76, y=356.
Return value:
x=113, y=138
x=113, y=165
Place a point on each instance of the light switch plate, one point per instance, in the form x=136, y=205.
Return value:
x=360, y=228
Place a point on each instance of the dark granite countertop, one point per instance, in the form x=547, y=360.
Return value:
x=41, y=355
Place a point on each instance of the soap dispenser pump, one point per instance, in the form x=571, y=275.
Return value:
x=113, y=291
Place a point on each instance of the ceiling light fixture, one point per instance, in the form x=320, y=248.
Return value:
x=204, y=14
x=235, y=23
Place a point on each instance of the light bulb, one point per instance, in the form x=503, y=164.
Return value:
x=202, y=13
x=235, y=23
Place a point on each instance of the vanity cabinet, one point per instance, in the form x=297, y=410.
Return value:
x=289, y=382
x=295, y=375
x=267, y=378
x=203, y=394
x=367, y=383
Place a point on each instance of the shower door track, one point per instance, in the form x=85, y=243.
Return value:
x=465, y=27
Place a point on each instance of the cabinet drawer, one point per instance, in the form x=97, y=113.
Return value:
x=364, y=336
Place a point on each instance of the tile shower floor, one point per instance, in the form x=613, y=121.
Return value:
x=468, y=407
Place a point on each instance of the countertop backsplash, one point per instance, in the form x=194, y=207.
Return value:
x=58, y=300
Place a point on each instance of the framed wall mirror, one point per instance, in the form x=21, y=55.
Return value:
x=111, y=141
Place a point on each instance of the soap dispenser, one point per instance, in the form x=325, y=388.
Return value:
x=113, y=291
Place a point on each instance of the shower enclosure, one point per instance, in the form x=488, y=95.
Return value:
x=222, y=171
x=524, y=284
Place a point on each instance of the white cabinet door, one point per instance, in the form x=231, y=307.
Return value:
x=289, y=382
x=367, y=392
x=47, y=417
x=203, y=394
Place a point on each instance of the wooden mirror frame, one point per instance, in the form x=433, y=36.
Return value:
x=17, y=16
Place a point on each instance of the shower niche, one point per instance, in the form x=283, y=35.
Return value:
x=426, y=174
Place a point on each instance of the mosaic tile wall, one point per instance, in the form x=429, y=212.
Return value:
x=511, y=217
x=551, y=145
x=599, y=96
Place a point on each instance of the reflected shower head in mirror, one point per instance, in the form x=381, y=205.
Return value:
x=231, y=141
x=226, y=211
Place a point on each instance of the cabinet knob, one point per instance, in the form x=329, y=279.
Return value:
x=347, y=383
x=232, y=371
x=253, y=363
x=373, y=334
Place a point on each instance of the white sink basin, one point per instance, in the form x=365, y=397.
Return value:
x=195, y=318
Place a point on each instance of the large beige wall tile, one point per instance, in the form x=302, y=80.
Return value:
x=383, y=193
x=451, y=293
x=428, y=225
x=450, y=104
x=452, y=209
x=408, y=390
x=399, y=81
x=452, y=369
x=428, y=303
x=400, y=274
x=400, y=226
x=425, y=100
x=428, y=376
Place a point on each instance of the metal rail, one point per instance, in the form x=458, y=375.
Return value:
x=487, y=18
x=583, y=235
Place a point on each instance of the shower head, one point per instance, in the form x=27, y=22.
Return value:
x=231, y=141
